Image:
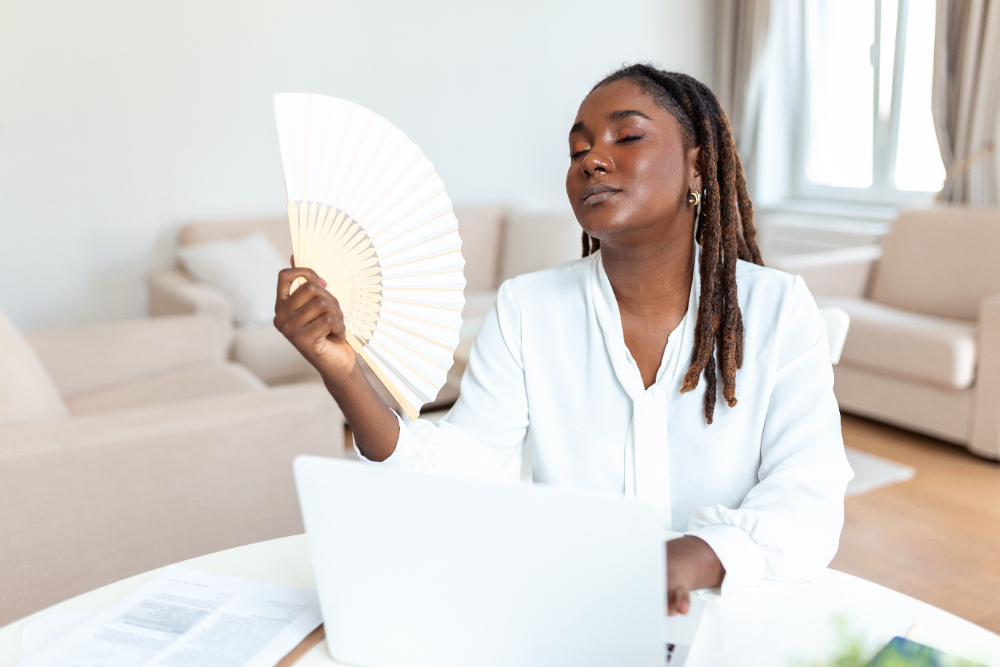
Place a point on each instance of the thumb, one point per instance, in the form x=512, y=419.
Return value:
x=679, y=601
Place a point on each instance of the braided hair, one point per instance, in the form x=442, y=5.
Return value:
x=724, y=225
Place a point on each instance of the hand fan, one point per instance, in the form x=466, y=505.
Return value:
x=369, y=214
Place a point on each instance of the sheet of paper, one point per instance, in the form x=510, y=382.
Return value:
x=39, y=632
x=191, y=619
x=679, y=631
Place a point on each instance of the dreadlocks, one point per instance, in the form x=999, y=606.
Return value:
x=724, y=227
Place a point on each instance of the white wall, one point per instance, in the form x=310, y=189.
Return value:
x=121, y=120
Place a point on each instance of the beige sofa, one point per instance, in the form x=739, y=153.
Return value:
x=497, y=243
x=132, y=445
x=923, y=350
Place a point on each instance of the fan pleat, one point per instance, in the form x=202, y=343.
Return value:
x=395, y=384
x=377, y=184
x=405, y=216
x=389, y=363
x=368, y=212
x=454, y=251
x=421, y=242
x=388, y=312
x=424, y=273
x=421, y=385
x=413, y=228
x=391, y=188
x=399, y=201
x=348, y=205
x=426, y=339
x=428, y=358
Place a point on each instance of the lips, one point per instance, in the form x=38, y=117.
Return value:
x=595, y=194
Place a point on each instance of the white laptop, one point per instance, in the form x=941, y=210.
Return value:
x=417, y=569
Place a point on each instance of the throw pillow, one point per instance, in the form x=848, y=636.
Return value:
x=244, y=269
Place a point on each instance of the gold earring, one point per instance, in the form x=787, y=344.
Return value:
x=694, y=198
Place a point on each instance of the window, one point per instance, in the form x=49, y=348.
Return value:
x=867, y=133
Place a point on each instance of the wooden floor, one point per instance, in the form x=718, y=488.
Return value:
x=935, y=537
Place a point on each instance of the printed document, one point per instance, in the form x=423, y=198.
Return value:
x=185, y=618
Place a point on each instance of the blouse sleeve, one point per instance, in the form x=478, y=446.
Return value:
x=788, y=526
x=483, y=435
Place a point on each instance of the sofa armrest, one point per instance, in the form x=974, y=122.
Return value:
x=985, y=431
x=92, y=357
x=844, y=272
x=171, y=292
x=90, y=500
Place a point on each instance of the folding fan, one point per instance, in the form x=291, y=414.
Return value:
x=369, y=214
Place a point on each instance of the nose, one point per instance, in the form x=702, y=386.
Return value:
x=596, y=163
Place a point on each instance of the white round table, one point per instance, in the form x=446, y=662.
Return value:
x=806, y=623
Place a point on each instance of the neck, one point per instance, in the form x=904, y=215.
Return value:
x=651, y=279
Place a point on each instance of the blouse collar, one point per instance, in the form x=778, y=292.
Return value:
x=679, y=343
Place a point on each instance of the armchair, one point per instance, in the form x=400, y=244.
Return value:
x=131, y=445
x=923, y=350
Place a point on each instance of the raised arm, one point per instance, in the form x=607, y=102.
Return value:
x=312, y=320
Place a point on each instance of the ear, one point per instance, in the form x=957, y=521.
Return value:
x=695, y=168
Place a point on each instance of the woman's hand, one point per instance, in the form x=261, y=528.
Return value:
x=311, y=318
x=691, y=565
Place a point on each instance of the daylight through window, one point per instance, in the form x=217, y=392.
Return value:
x=868, y=133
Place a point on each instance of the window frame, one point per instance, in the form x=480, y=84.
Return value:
x=885, y=131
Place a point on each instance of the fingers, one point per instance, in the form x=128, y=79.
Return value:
x=287, y=304
x=321, y=311
x=286, y=277
x=325, y=326
x=678, y=601
x=310, y=303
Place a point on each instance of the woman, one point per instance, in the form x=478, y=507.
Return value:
x=599, y=359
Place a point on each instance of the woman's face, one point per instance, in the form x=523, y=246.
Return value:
x=629, y=174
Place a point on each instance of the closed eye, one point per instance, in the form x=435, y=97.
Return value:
x=578, y=148
x=629, y=138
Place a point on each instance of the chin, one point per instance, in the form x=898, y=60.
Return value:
x=601, y=220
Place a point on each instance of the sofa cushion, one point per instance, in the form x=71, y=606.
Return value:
x=536, y=241
x=270, y=356
x=477, y=304
x=26, y=391
x=182, y=385
x=92, y=357
x=933, y=350
x=244, y=269
x=940, y=261
x=481, y=229
x=926, y=408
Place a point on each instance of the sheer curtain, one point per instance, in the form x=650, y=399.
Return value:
x=741, y=38
x=966, y=98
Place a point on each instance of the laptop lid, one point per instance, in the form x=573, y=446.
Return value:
x=417, y=569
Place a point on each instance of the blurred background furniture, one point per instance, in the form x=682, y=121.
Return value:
x=498, y=243
x=923, y=351
x=838, y=323
x=135, y=444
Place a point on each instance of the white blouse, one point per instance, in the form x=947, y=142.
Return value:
x=763, y=485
